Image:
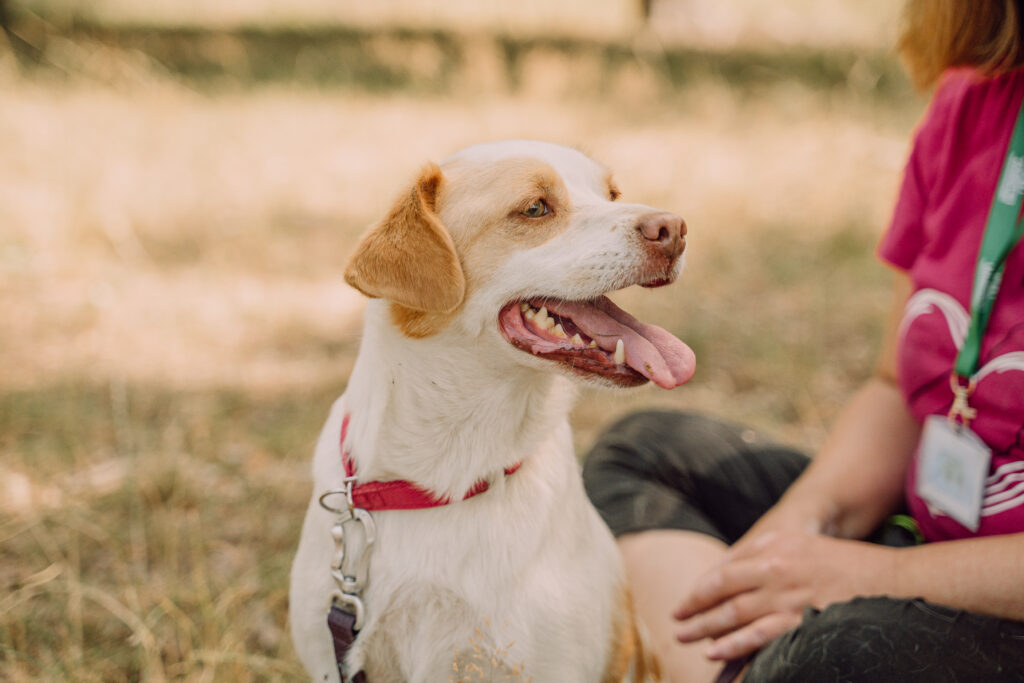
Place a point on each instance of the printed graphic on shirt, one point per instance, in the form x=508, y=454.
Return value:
x=1004, y=488
x=997, y=384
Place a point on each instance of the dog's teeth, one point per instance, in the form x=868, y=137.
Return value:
x=559, y=332
x=530, y=314
x=577, y=340
x=541, y=316
x=592, y=344
x=524, y=307
x=620, y=353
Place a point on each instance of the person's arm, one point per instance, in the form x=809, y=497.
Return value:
x=760, y=590
x=983, y=575
x=856, y=479
x=788, y=561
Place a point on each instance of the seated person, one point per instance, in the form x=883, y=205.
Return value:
x=749, y=554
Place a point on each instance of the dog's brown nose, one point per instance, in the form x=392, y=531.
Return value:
x=666, y=230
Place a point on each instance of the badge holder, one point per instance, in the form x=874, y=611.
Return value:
x=953, y=460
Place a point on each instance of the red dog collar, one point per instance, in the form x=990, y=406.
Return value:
x=400, y=494
x=377, y=495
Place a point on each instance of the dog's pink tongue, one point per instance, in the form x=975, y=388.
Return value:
x=650, y=350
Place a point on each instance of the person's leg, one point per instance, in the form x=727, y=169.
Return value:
x=676, y=489
x=661, y=565
x=868, y=640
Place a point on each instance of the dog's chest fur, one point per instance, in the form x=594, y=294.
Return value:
x=495, y=581
x=487, y=584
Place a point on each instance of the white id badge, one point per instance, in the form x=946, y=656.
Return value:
x=952, y=465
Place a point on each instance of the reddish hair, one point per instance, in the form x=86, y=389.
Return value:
x=939, y=34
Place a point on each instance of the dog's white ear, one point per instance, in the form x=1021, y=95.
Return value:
x=409, y=257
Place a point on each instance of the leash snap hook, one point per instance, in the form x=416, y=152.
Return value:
x=354, y=533
x=961, y=410
x=351, y=604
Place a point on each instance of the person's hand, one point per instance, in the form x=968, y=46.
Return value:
x=764, y=583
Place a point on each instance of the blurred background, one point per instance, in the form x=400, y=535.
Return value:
x=181, y=182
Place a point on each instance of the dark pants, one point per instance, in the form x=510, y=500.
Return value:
x=668, y=470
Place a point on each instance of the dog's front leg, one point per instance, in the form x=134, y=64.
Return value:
x=311, y=587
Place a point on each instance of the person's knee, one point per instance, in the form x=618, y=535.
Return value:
x=624, y=473
x=626, y=443
x=828, y=645
x=651, y=435
x=660, y=446
x=663, y=445
x=866, y=639
x=638, y=425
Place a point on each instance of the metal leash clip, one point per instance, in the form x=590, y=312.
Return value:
x=350, y=563
x=961, y=409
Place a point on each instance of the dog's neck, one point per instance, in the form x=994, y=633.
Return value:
x=440, y=413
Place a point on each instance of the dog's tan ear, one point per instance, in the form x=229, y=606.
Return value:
x=409, y=257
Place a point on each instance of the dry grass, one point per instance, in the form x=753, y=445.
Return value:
x=173, y=325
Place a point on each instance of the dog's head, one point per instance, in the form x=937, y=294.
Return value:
x=515, y=244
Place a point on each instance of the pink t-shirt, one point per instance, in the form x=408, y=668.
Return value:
x=935, y=236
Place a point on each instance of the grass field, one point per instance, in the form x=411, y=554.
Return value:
x=173, y=323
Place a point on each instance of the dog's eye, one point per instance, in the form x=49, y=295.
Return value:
x=537, y=209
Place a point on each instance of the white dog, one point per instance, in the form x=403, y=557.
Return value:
x=488, y=279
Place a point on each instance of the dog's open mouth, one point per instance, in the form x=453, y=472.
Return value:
x=597, y=338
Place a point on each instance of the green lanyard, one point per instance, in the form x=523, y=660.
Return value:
x=1002, y=231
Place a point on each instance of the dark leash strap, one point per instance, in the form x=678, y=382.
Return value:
x=733, y=669
x=343, y=632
